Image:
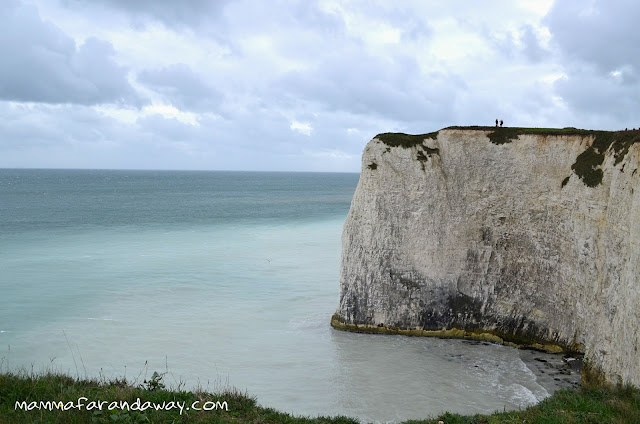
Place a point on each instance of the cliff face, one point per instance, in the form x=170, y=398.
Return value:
x=535, y=241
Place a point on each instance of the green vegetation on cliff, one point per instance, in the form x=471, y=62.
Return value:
x=494, y=336
x=405, y=140
x=408, y=141
x=584, y=405
x=586, y=166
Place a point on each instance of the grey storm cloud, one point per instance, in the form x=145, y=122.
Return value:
x=42, y=64
x=43, y=126
x=364, y=84
x=601, y=44
x=170, y=12
x=585, y=91
x=602, y=33
x=528, y=45
x=182, y=87
x=532, y=47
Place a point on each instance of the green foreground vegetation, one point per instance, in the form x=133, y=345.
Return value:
x=584, y=405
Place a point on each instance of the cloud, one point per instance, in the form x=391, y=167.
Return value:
x=532, y=45
x=39, y=129
x=298, y=85
x=40, y=63
x=602, y=33
x=170, y=12
x=606, y=100
x=182, y=87
x=600, y=48
x=524, y=43
x=301, y=127
x=331, y=154
x=77, y=136
x=393, y=87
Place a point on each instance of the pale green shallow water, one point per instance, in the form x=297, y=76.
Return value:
x=226, y=278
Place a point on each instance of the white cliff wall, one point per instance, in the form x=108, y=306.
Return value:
x=461, y=233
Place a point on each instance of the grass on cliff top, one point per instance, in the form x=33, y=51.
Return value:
x=587, y=164
x=584, y=405
x=525, y=130
x=500, y=134
x=405, y=140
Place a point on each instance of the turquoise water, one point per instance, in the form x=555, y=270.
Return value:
x=220, y=279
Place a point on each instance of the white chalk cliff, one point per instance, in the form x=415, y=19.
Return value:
x=517, y=235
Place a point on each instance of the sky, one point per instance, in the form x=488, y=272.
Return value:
x=298, y=85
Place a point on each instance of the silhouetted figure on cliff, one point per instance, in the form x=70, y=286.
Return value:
x=501, y=122
x=496, y=122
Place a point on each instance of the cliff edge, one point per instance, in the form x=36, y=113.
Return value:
x=522, y=236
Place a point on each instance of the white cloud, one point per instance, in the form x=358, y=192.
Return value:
x=301, y=127
x=169, y=112
x=130, y=116
x=331, y=154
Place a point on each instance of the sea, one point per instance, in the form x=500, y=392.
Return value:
x=221, y=280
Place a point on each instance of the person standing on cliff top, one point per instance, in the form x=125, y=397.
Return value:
x=501, y=122
x=496, y=122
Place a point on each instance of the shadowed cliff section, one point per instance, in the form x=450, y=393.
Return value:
x=522, y=236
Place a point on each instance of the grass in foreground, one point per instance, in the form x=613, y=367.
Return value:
x=619, y=405
x=240, y=408
x=585, y=405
